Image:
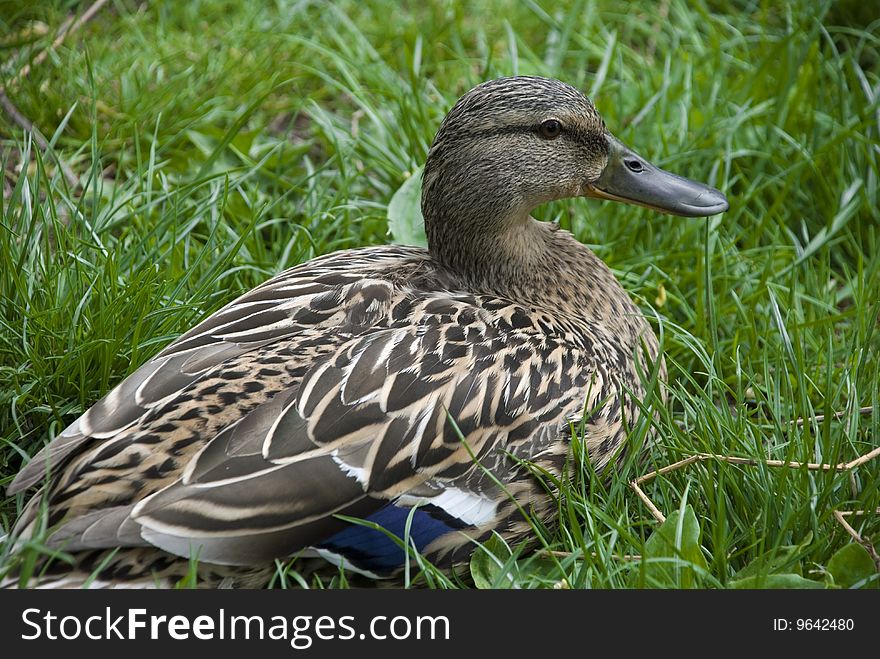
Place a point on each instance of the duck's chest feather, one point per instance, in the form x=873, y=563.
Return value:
x=356, y=382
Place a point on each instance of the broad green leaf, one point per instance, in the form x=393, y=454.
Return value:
x=787, y=581
x=220, y=150
x=405, y=222
x=244, y=141
x=776, y=560
x=203, y=142
x=486, y=563
x=216, y=160
x=851, y=565
x=672, y=557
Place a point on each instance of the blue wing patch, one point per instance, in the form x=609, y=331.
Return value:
x=371, y=549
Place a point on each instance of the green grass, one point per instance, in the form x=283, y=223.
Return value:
x=217, y=143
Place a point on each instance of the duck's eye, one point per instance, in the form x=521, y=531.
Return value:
x=633, y=165
x=550, y=129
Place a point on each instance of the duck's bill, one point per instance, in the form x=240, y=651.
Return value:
x=633, y=180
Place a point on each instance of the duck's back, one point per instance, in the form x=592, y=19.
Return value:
x=358, y=384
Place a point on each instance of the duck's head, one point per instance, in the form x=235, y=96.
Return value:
x=511, y=144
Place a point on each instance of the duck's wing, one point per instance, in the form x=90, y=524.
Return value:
x=375, y=419
x=329, y=292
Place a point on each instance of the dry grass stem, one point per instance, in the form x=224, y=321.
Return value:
x=702, y=457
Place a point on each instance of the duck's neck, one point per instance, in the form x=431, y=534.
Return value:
x=531, y=262
x=489, y=255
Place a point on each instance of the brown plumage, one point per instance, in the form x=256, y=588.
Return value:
x=345, y=385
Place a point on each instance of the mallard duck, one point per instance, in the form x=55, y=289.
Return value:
x=407, y=387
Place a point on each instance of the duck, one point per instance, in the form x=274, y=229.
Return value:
x=379, y=402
